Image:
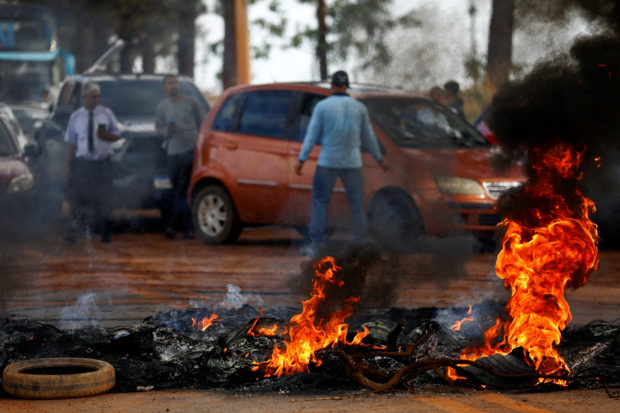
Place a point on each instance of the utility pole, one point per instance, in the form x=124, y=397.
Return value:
x=242, y=42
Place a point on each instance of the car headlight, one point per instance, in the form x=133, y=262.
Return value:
x=21, y=183
x=455, y=185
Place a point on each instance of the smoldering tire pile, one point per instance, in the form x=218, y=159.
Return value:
x=165, y=352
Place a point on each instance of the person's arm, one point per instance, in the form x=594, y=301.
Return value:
x=160, y=121
x=112, y=132
x=198, y=115
x=71, y=148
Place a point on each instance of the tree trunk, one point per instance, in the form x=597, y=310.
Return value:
x=187, y=34
x=321, y=46
x=229, y=69
x=148, y=55
x=499, y=56
x=127, y=57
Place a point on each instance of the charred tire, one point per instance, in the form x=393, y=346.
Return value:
x=395, y=221
x=58, y=378
x=215, y=216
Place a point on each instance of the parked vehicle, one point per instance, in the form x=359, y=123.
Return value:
x=16, y=179
x=141, y=178
x=28, y=115
x=440, y=180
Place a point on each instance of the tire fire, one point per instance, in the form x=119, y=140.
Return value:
x=552, y=247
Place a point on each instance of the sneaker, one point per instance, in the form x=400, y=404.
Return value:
x=169, y=233
x=106, y=238
x=189, y=235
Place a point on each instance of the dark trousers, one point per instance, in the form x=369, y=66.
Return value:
x=180, y=169
x=90, y=192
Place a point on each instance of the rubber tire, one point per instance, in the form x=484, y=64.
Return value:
x=395, y=221
x=18, y=383
x=208, y=202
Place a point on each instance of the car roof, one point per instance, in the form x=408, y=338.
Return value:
x=355, y=89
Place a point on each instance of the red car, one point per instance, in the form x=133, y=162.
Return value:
x=440, y=182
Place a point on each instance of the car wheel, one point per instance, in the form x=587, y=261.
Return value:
x=215, y=216
x=395, y=221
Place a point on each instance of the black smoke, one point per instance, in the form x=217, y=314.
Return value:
x=574, y=100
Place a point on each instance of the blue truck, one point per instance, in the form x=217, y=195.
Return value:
x=32, y=63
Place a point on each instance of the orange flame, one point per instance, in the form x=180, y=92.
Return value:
x=539, y=261
x=308, y=334
x=204, y=323
x=262, y=331
x=457, y=326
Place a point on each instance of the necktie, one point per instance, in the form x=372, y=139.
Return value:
x=91, y=138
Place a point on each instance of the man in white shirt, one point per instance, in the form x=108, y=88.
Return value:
x=89, y=136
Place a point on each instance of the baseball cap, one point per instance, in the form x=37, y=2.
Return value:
x=340, y=78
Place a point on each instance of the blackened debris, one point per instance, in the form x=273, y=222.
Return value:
x=164, y=354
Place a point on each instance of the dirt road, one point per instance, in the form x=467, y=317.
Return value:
x=139, y=274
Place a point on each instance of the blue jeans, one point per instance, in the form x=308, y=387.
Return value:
x=322, y=187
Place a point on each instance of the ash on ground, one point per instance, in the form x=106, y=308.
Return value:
x=164, y=351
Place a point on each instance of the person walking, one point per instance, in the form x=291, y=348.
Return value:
x=89, y=136
x=178, y=120
x=343, y=126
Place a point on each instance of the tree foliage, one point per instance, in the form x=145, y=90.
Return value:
x=356, y=28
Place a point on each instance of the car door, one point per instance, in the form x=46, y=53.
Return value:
x=299, y=199
x=256, y=155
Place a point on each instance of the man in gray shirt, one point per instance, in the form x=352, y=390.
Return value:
x=178, y=120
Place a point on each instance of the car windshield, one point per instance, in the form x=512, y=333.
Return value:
x=7, y=145
x=420, y=123
x=139, y=98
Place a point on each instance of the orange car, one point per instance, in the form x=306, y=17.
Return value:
x=440, y=179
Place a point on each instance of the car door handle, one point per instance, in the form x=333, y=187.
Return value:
x=231, y=145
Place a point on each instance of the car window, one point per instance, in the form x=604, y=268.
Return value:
x=68, y=94
x=7, y=145
x=308, y=102
x=265, y=113
x=225, y=120
x=418, y=123
x=139, y=98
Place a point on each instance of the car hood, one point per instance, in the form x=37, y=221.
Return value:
x=480, y=164
x=10, y=168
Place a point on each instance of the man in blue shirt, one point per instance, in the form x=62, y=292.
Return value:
x=343, y=126
x=89, y=136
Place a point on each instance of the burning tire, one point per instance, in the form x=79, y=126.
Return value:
x=215, y=216
x=58, y=378
x=394, y=220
